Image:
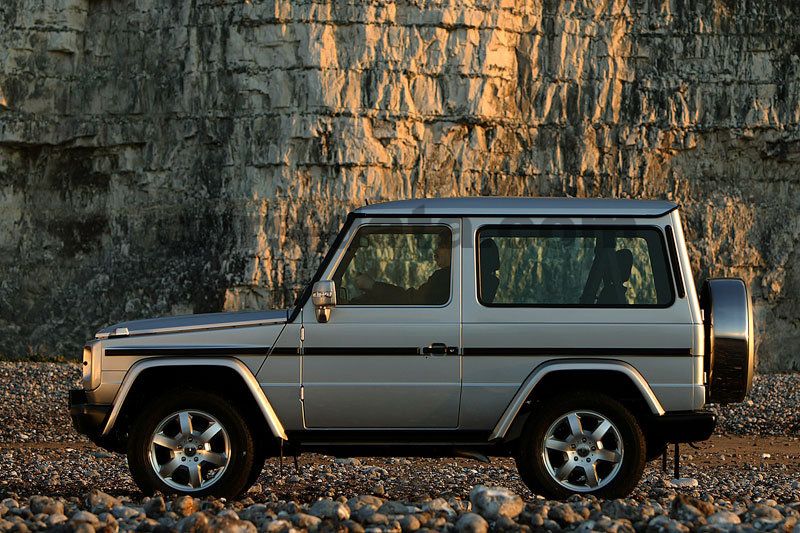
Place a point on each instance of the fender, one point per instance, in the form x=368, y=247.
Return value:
x=234, y=364
x=503, y=425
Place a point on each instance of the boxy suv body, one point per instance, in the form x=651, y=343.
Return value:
x=564, y=332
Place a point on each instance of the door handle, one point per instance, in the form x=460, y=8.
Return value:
x=438, y=348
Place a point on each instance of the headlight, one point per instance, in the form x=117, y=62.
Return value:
x=91, y=367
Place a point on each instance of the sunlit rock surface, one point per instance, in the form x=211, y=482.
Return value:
x=167, y=157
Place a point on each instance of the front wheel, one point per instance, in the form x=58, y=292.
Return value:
x=190, y=442
x=581, y=443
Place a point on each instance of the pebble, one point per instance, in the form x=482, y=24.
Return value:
x=472, y=523
x=724, y=518
x=684, y=482
x=327, y=508
x=494, y=502
x=439, y=505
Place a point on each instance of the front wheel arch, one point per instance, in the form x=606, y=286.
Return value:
x=215, y=379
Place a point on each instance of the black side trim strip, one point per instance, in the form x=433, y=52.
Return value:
x=673, y=259
x=362, y=351
x=285, y=351
x=378, y=351
x=579, y=351
x=201, y=351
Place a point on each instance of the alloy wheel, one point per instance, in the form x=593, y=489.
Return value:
x=582, y=451
x=190, y=450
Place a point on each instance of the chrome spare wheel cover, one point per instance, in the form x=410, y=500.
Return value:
x=582, y=451
x=190, y=450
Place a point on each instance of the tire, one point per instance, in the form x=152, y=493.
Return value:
x=259, y=459
x=554, y=420
x=223, y=463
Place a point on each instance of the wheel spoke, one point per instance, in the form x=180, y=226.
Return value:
x=601, y=430
x=575, y=424
x=167, y=442
x=608, y=455
x=555, y=444
x=194, y=475
x=217, y=459
x=565, y=470
x=192, y=459
x=186, y=423
x=591, y=475
x=167, y=469
x=209, y=433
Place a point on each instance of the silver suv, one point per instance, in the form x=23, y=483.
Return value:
x=566, y=333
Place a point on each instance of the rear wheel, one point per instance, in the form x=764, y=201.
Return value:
x=190, y=442
x=581, y=443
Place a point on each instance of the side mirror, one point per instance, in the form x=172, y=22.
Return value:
x=323, y=296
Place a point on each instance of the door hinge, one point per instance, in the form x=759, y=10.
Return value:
x=302, y=393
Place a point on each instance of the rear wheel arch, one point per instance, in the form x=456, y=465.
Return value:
x=604, y=381
x=615, y=382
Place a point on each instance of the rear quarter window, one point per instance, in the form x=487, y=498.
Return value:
x=536, y=266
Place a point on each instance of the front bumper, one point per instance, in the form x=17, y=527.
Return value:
x=87, y=418
x=683, y=426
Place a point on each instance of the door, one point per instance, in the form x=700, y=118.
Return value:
x=389, y=357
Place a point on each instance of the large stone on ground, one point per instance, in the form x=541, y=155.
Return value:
x=492, y=502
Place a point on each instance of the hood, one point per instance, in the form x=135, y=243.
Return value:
x=176, y=324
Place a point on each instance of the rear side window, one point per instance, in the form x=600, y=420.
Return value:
x=556, y=266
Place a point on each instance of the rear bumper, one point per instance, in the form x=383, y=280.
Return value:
x=87, y=418
x=683, y=426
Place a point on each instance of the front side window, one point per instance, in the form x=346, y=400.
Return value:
x=396, y=265
x=572, y=267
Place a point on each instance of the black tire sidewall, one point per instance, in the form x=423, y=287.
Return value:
x=529, y=456
x=235, y=478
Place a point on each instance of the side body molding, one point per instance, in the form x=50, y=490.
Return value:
x=504, y=424
x=234, y=364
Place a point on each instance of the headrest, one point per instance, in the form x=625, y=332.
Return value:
x=490, y=255
x=625, y=264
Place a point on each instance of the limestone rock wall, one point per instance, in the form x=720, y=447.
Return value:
x=163, y=157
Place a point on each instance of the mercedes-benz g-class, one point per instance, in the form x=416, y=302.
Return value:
x=566, y=333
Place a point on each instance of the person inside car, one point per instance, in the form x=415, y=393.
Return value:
x=435, y=291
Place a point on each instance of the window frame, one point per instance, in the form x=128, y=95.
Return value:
x=670, y=282
x=354, y=234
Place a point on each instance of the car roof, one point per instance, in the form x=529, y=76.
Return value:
x=520, y=206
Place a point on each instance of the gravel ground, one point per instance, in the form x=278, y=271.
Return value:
x=740, y=476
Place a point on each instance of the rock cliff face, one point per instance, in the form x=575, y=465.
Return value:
x=164, y=157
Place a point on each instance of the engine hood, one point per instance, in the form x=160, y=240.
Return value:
x=179, y=323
